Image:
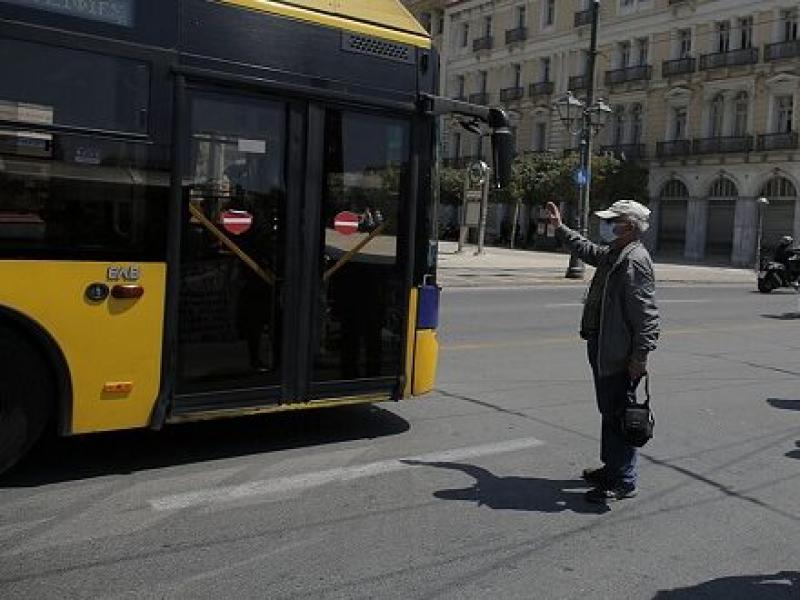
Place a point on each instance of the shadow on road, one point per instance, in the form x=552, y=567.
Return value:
x=788, y=316
x=516, y=493
x=780, y=586
x=795, y=454
x=784, y=403
x=82, y=457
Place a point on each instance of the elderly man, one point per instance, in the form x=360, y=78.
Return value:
x=621, y=325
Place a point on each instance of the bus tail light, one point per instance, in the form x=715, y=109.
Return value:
x=125, y=292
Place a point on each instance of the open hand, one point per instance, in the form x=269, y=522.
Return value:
x=554, y=214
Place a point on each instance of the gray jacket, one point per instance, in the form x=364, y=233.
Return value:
x=629, y=321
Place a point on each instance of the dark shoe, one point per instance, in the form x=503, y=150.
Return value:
x=600, y=495
x=596, y=477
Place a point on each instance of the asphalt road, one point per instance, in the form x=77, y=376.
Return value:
x=470, y=492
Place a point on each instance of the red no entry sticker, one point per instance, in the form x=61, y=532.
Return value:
x=346, y=222
x=236, y=221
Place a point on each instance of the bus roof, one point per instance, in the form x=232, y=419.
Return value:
x=387, y=19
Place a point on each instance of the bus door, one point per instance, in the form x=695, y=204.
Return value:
x=360, y=296
x=233, y=243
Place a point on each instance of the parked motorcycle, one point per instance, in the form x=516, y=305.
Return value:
x=783, y=270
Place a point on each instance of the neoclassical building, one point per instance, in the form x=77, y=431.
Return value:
x=703, y=92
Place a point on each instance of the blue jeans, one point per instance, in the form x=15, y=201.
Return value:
x=613, y=393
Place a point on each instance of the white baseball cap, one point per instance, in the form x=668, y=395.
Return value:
x=625, y=208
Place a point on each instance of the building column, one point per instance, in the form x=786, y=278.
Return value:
x=745, y=232
x=696, y=229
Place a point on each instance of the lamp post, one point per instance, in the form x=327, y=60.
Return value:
x=762, y=204
x=587, y=118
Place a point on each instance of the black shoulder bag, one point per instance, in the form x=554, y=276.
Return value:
x=637, y=421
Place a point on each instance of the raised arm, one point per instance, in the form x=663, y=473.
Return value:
x=587, y=251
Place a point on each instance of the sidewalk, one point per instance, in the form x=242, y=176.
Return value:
x=504, y=267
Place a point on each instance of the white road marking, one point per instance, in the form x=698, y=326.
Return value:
x=315, y=479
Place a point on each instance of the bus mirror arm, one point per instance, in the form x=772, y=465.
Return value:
x=494, y=117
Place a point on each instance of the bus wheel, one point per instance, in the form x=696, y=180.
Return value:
x=26, y=395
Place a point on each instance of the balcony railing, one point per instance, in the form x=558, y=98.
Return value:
x=511, y=94
x=673, y=148
x=790, y=49
x=679, y=66
x=483, y=43
x=543, y=88
x=583, y=17
x=777, y=141
x=520, y=34
x=722, y=145
x=732, y=58
x=578, y=82
x=479, y=98
x=637, y=73
x=627, y=151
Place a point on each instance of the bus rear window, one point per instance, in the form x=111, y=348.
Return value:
x=49, y=85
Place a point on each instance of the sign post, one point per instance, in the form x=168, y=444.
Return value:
x=474, y=204
x=484, y=215
x=463, y=225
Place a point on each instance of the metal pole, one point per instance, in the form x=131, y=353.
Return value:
x=463, y=230
x=484, y=214
x=576, y=267
x=757, y=266
x=514, y=223
x=761, y=204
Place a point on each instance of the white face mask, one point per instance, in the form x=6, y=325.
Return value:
x=606, y=231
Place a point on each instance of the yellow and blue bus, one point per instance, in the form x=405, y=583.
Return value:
x=212, y=208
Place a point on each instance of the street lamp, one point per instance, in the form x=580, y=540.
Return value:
x=762, y=203
x=569, y=110
x=587, y=118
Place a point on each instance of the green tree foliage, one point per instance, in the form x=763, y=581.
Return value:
x=540, y=178
x=451, y=185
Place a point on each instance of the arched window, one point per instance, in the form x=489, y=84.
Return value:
x=722, y=187
x=717, y=116
x=636, y=123
x=674, y=188
x=779, y=187
x=740, y=107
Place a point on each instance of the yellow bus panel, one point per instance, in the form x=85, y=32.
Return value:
x=386, y=19
x=426, y=360
x=112, y=347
